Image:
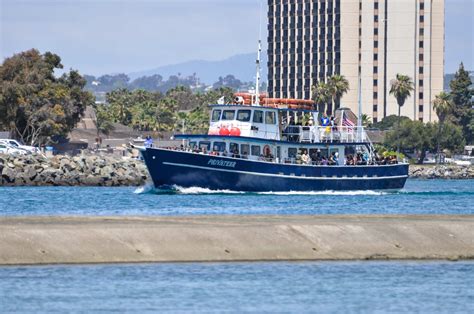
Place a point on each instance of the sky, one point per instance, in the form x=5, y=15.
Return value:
x=122, y=36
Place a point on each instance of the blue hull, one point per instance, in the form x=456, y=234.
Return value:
x=168, y=167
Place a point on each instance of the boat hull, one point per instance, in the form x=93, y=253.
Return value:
x=169, y=167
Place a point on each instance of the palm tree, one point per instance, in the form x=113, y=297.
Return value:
x=366, y=120
x=321, y=96
x=401, y=88
x=338, y=86
x=442, y=105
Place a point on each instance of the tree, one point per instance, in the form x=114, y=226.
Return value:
x=338, y=86
x=121, y=103
x=103, y=120
x=416, y=136
x=366, y=120
x=389, y=122
x=321, y=96
x=461, y=94
x=443, y=106
x=166, y=114
x=401, y=88
x=35, y=105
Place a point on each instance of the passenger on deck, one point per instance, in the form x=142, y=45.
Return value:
x=236, y=154
x=324, y=161
x=305, y=158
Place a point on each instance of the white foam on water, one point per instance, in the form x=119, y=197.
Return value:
x=198, y=190
x=148, y=187
x=347, y=193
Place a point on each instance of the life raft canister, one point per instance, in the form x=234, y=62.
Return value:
x=224, y=130
x=235, y=131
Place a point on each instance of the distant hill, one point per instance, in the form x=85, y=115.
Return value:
x=242, y=66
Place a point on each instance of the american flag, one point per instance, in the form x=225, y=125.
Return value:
x=348, y=123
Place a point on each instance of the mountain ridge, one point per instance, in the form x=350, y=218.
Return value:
x=242, y=66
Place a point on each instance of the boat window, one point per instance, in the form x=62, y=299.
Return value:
x=205, y=144
x=245, y=149
x=228, y=115
x=216, y=115
x=233, y=147
x=218, y=146
x=255, y=150
x=292, y=152
x=243, y=115
x=192, y=144
x=258, y=116
x=269, y=117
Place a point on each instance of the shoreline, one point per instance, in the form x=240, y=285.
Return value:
x=94, y=240
x=109, y=170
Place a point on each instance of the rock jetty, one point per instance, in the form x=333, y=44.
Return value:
x=84, y=170
x=441, y=172
x=111, y=170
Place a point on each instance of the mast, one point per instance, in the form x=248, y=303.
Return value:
x=259, y=50
x=257, y=76
x=359, y=114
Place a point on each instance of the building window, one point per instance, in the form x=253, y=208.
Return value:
x=376, y=5
x=375, y=108
x=376, y=31
x=420, y=82
x=376, y=56
x=422, y=6
x=376, y=44
x=422, y=19
x=421, y=57
x=376, y=70
x=375, y=95
x=420, y=108
x=376, y=82
x=420, y=70
x=421, y=44
x=422, y=31
x=420, y=95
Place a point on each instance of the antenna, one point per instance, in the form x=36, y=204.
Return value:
x=359, y=115
x=259, y=50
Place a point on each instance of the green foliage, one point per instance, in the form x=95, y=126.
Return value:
x=34, y=104
x=389, y=122
x=325, y=94
x=366, y=121
x=321, y=96
x=415, y=136
x=338, y=86
x=401, y=88
x=443, y=105
x=463, y=111
x=103, y=120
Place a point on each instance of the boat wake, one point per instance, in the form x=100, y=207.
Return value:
x=150, y=189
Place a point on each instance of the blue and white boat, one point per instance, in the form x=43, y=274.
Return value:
x=262, y=148
x=259, y=144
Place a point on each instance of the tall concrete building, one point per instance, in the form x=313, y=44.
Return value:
x=310, y=40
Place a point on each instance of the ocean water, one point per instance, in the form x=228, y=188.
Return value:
x=303, y=287
x=418, y=197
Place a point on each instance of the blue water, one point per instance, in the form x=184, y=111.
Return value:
x=337, y=287
x=323, y=287
x=418, y=197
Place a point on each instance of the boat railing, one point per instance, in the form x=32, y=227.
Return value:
x=324, y=134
